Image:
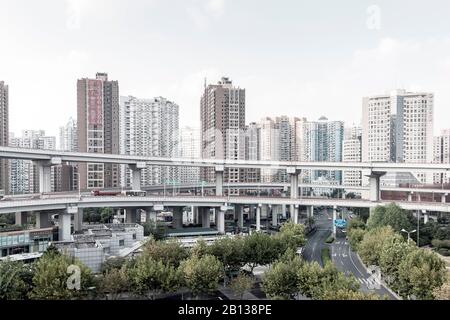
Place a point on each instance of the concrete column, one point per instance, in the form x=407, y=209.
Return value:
x=274, y=216
x=283, y=210
x=410, y=195
x=258, y=217
x=418, y=197
x=64, y=224
x=296, y=209
x=444, y=198
x=219, y=180
x=240, y=216
x=312, y=212
x=136, y=170
x=78, y=220
x=206, y=221
x=293, y=175
x=131, y=215
x=44, y=172
x=426, y=218
x=334, y=219
x=177, y=217
x=374, y=185
x=220, y=218
x=42, y=220
x=21, y=218
x=195, y=214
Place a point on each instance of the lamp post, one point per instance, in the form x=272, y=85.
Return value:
x=409, y=234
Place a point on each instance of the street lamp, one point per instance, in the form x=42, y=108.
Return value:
x=409, y=234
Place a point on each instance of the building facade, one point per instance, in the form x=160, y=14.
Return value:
x=149, y=127
x=351, y=152
x=222, y=118
x=441, y=154
x=398, y=127
x=4, y=135
x=98, y=129
x=190, y=149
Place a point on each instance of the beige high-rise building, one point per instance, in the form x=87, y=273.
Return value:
x=98, y=129
x=441, y=154
x=222, y=118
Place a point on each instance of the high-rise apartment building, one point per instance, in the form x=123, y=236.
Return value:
x=222, y=118
x=68, y=136
x=98, y=129
x=252, y=151
x=323, y=143
x=24, y=177
x=351, y=152
x=149, y=127
x=398, y=127
x=441, y=154
x=190, y=149
x=4, y=135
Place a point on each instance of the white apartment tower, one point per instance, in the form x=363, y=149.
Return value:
x=351, y=152
x=149, y=127
x=398, y=127
x=68, y=136
x=441, y=154
x=190, y=149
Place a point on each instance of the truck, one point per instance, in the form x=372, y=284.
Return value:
x=105, y=193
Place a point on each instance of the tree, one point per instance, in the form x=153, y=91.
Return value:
x=291, y=235
x=149, y=277
x=106, y=215
x=443, y=292
x=229, y=252
x=420, y=273
x=370, y=247
x=52, y=277
x=280, y=281
x=170, y=252
x=393, y=252
x=355, y=236
x=356, y=223
x=202, y=275
x=113, y=282
x=316, y=283
x=241, y=284
x=112, y=263
x=154, y=229
x=12, y=283
x=260, y=249
x=200, y=248
x=391, y=215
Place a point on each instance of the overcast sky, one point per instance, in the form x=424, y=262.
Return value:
x=297, y=58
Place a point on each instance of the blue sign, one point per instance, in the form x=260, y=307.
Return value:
x=340, y=223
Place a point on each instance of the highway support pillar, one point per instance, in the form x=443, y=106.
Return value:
x=206, y=217
x=293, y=175
x=258, y=217
x=444, y=198
x=131, y=215
x=426, y=217
x=334, y=220
x=136, y=170
x=374, y=185
x=410, y=196
x=78, y=220
x=220, y=220
x=274, y=210
x=64, y=223
x=177, y=213
x=21, y=218
x=195, y=215
x=44, y=169
x=239, y=210
x=219, y=180
x=42, y=220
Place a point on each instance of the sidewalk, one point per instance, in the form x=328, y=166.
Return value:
x=230, y=295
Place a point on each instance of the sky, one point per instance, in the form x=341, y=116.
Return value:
x=293, y=57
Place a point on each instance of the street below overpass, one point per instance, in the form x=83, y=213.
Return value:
x=342, y=256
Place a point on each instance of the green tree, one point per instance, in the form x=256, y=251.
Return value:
x=202, y=275
x=292, y=235
x=51, y=275
x=229, y=252
x=420, y=273
x=391, y=215
x=113, y=263
x=106, y=215
x=113, y=283
x=393, y=252
x=280, y=281
x=200, y=248
x=149, y=277
x=12, y=283
x=443, y=292
x=260, y=249
x=170, y=252
x=370, y=248
x=241, y=284
x=355, y=236
x=315, y=282
x=154, y=229
x=356, y=223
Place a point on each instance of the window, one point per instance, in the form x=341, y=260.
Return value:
x=121, y=243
